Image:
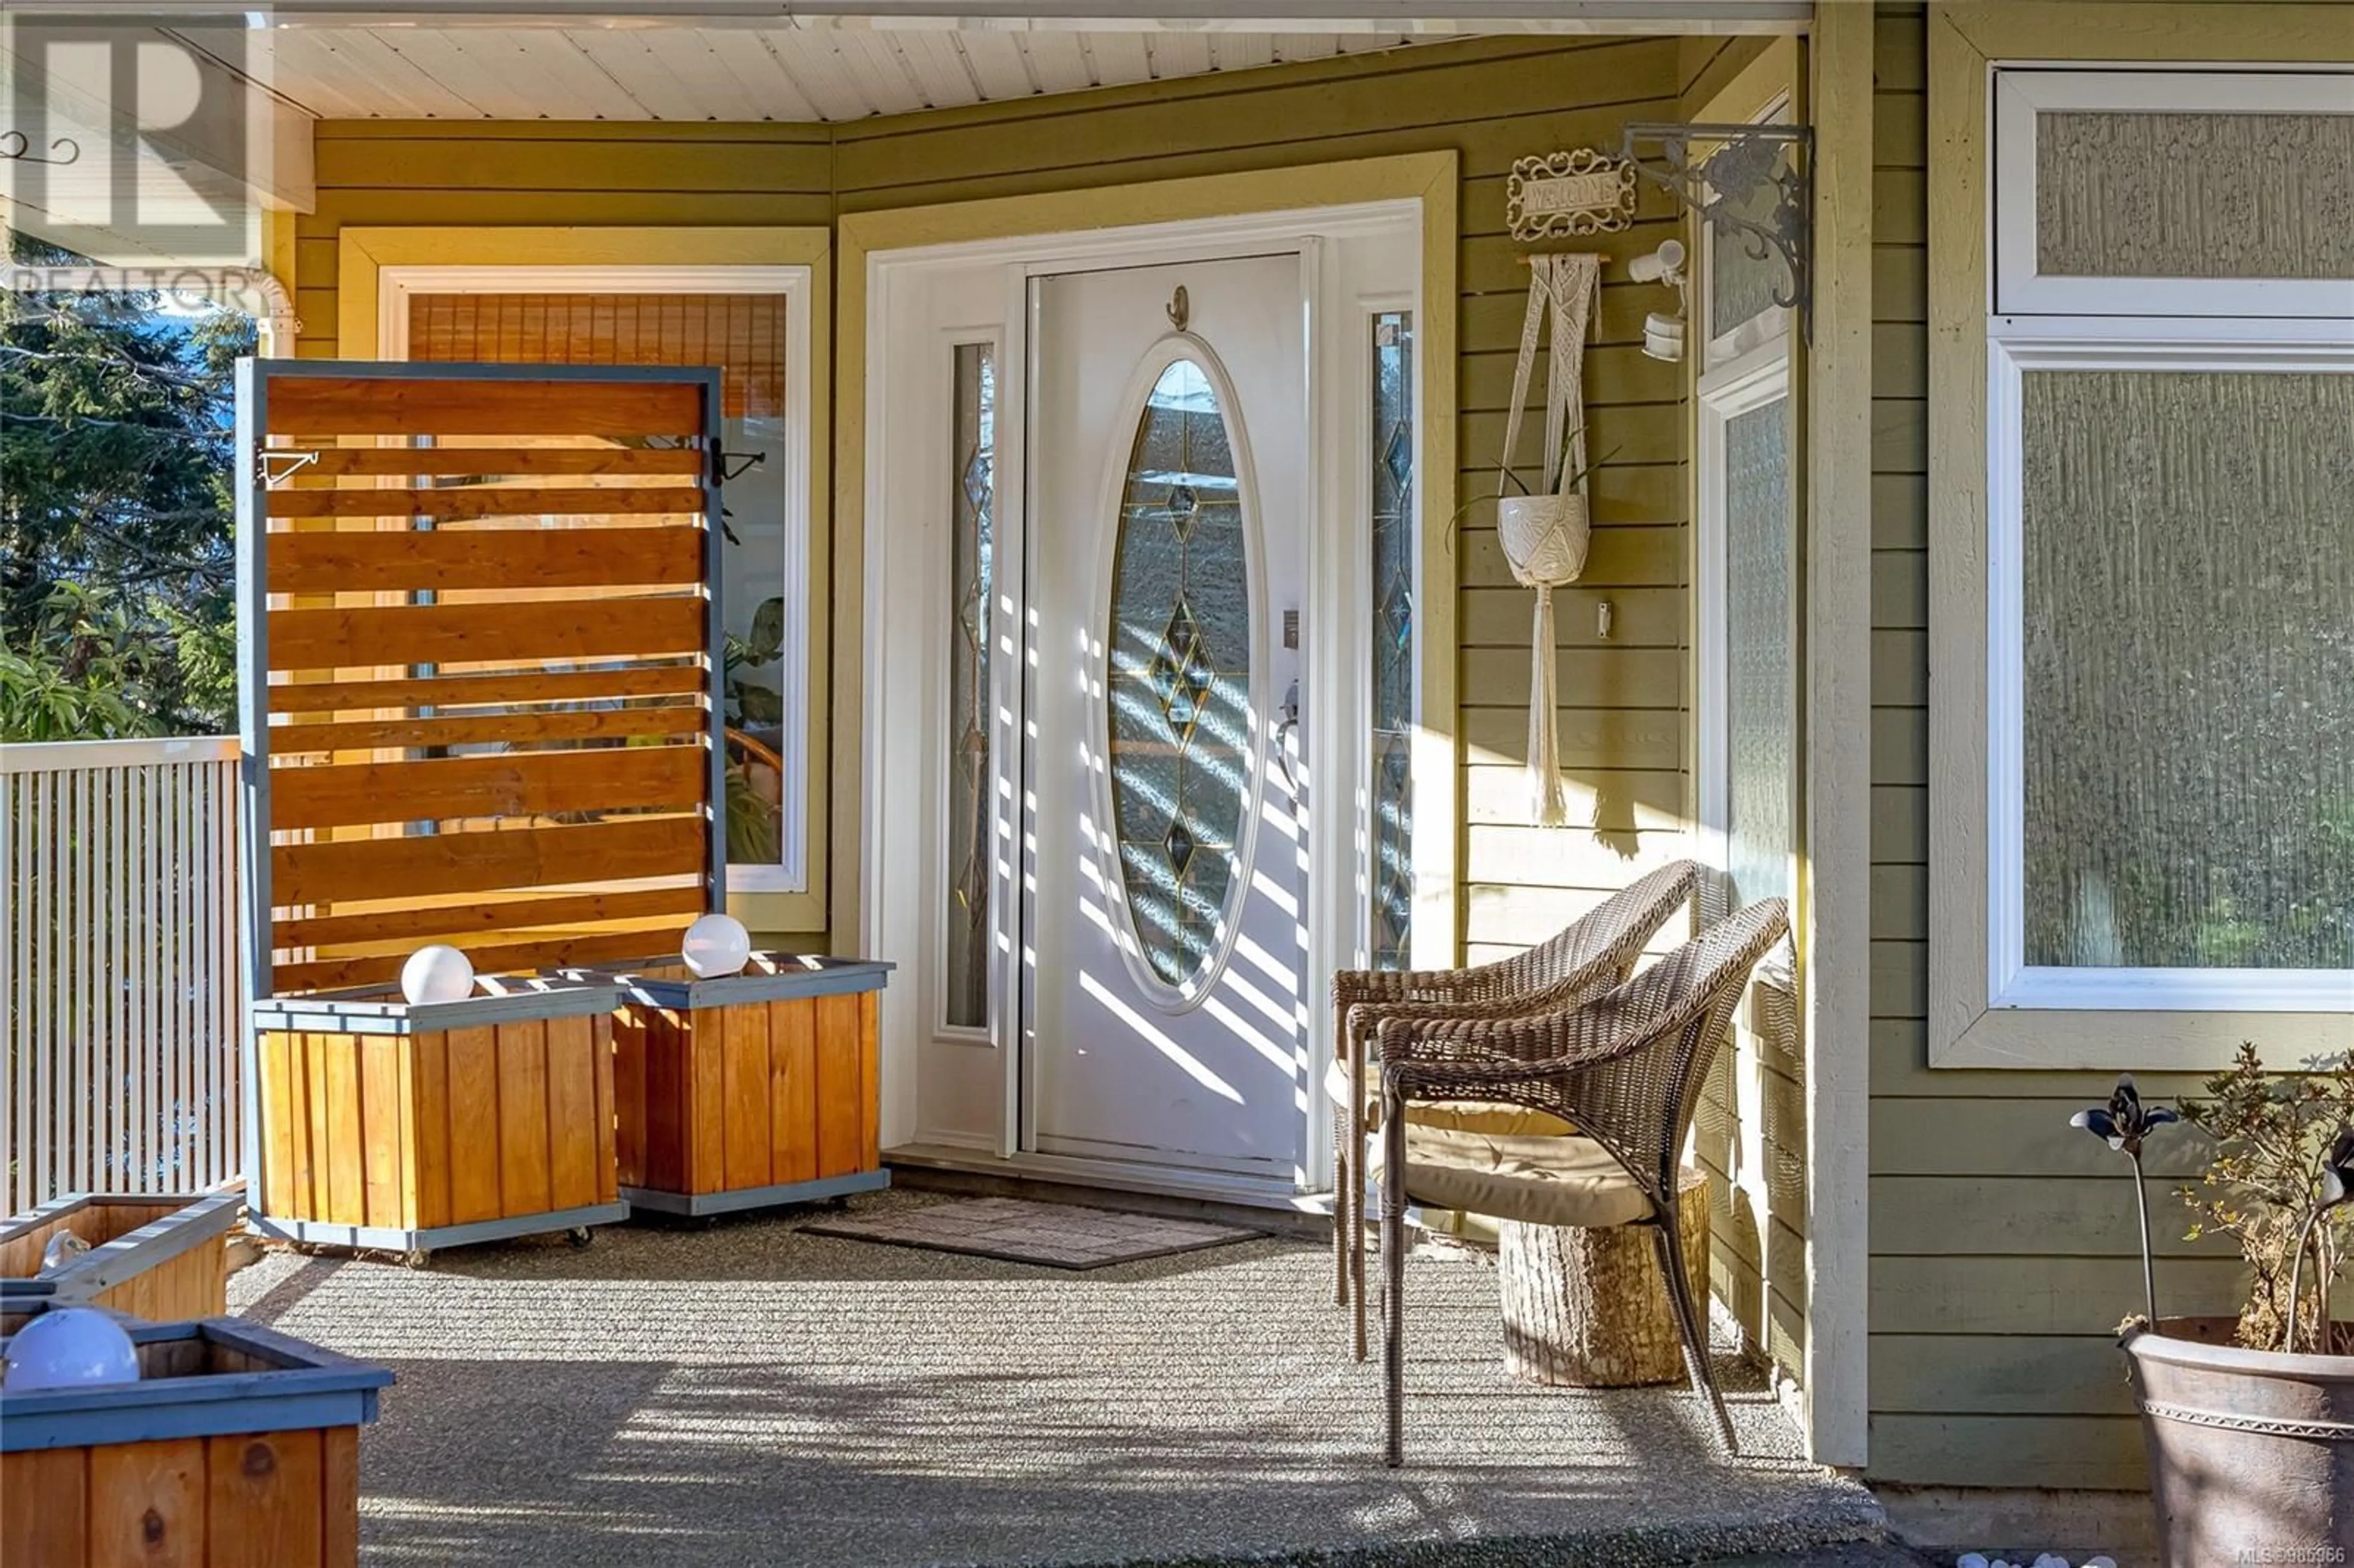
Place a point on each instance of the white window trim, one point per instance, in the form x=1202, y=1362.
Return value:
x=2020, y=95
x=397, y=285
x=1754, y=380
x=2011, y=982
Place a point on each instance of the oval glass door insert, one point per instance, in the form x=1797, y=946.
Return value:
x=1182, y=771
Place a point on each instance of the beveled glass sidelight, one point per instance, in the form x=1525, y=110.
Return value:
x=1761, y=742
x=1392, y=480
x=1178, y=694
x=972, y=502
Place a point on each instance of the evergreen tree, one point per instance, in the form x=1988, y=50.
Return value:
x=117, y=559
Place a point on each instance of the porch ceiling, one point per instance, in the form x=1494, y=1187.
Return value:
x=834, y=61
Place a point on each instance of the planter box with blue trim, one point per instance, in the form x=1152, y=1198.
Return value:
x=238, y=1444
x=411, y=1127
x=158, y=1255
x=747, y=1090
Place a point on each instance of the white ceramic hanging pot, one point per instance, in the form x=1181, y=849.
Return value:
x=1544, y=537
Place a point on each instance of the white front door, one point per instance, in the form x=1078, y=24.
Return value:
x=1163, y=1006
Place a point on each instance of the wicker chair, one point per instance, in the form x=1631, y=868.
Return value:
x=1625, y=1069
x=1584, y=961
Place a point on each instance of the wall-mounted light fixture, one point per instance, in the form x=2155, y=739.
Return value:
x=1663, y=334
x=1725, y=174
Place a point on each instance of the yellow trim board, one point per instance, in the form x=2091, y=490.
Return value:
x=1430, y=179
x=361, y=255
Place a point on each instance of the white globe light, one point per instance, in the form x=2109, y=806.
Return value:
x=73, y=1347
x=437, y=973
x=717, y=945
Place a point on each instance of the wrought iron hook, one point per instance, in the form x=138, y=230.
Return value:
x=22, y=152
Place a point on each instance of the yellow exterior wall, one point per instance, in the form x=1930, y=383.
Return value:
x=2003, y=1250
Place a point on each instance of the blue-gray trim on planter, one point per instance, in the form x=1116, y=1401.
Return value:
x=200, y=1218
x=807, y=975
x=696, y=1204
x=433, y=1238
x=302, y=1385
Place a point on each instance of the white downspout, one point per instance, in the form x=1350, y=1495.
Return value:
x=239, y=286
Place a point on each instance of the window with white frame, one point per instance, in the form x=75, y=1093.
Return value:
x=2169, y=698
x=752, y=322
x=1747, y=570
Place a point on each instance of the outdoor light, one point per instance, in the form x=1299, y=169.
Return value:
x=437, y=973
x=73, y=1347
x=716, y=945
x=1665, y=265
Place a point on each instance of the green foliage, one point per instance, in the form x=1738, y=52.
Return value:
x=2272, y=1134
x=755, y=831
x=117, y=560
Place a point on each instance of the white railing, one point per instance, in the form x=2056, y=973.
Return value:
x=122, y=978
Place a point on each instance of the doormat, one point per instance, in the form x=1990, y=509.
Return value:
x=1016, y=1230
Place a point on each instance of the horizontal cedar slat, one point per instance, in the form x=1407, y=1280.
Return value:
x=459, y=923
x=456, y=406
x=470, y=633
x=498, y=686
x=598, y=723
x=512, y=462
x=605, y=946
x=411, y=558
x=484, y=861
x=512, y=784
x=490, y=500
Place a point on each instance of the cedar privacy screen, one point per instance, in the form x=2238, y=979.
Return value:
x=480, y=692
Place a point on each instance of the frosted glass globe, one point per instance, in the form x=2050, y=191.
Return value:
x=73, y=1347
x=717, y=945
x=436, y=974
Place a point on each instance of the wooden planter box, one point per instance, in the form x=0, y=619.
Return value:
x=414, y=1128
x=238, y=1446
x=155, y=1255
x=757, y=1088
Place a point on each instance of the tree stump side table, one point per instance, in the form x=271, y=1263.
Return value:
x=1588, y=1308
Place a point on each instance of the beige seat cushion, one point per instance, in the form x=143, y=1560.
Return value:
x=1538, y=1181
x=1463, y=1116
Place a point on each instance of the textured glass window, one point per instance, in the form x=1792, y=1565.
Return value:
x=2194, y=195
x=972, y=496
x=1745, y=273
x=1393, y=647
x=1760, y=659
x=2187, y=664
x=1180, y=670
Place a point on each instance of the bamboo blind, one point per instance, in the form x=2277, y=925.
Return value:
x=742, y=334
x=482, y=697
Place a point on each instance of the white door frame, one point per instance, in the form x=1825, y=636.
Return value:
x=901, y=736
x=397, y=284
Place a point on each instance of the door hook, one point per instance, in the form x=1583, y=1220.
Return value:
x=1180, y=308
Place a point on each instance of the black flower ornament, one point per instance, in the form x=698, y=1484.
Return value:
x=2122, y=1124
x=2337, y=1187
x=2337, y=1170
x=2125, y=1122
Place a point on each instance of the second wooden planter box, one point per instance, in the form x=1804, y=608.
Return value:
x=754, y=1089
x=412, y=1128
x=157, y=1256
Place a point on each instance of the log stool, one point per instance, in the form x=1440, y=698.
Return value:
x=1588, y=1308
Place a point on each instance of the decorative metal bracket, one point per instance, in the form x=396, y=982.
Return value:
x=272, y=466
x=1723, y=172
x=18, y=147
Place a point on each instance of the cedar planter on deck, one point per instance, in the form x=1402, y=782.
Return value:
x=158, y=1255
x=237, y=1446
x=414, y=1127
x=750, y=1089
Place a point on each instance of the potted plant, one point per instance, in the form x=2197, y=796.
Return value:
x=2249, y=1421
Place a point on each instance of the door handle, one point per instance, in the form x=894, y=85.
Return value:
x=1287, y=726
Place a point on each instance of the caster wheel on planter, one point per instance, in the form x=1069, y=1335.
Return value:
x=577, y=1235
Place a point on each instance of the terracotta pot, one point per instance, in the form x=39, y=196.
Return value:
x=2250, y=1452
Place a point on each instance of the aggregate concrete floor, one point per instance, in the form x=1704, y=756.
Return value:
x=750, y=1393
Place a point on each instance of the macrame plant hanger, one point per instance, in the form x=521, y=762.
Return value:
x=1544, y=534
